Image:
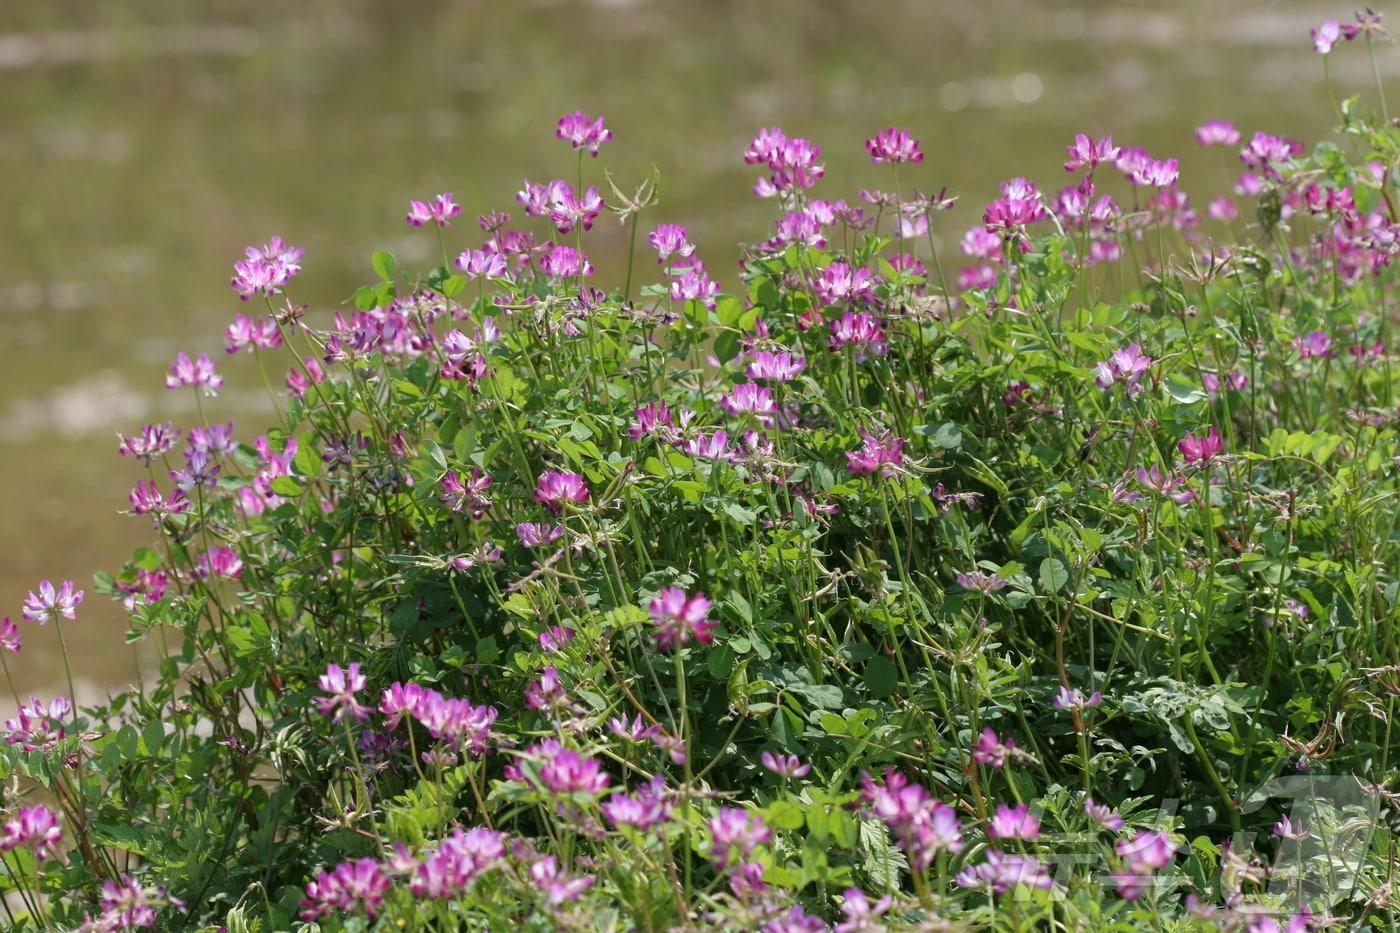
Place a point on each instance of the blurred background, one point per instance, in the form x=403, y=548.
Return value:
x=145, y=143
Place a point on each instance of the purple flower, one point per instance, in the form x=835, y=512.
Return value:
x=469, y=496
x=778, y=367
x=680, y=618
x=554, y=488
x=795, y=920
x=49, y=603
x=787, y=766
x=1103, y=815
x=557, y=886
x=567, y=211
x=920, y=825
x=712, y=447
x=400, y=701
x=534, y=534
x=861, y=915
x=799, y=227
x=199, y=373
x=1147, y=849
x=547, y=693
x=1165, y=484
x=341, y=685
x=1155, y=173
x=735, y=832
x=219, y=562
x=154, y=440
x=882, y=453
x=440, y=210
x=1013, y=823
x=454, y=865
x=695, y=285
x=1217, y=133
x=976, y=581
x=1312, y=345
x=36, y=726
x=9, y=636
x=351, y=887
x=1287, y=829
x=1201, y=449
x=893, y=145
x=992, y=751
x=565, y=262
x=670, y=240
x=1327, y=35
x=654, y=418
x=642, y=809
x=838, y=283
x=750, y=398
x=1068, y=698
x=33, y=828
x=455, y=721
x=1125, y=365
x=1002, y=873
x=480, y=263
x=1087, y=151
x=583, y=132
x=266, y=269
x=568, y=772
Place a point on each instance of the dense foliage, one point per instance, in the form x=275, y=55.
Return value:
x=1054, y=591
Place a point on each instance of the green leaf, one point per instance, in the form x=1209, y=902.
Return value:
x=384, y=264
x=881, y=676
x=1053, y=575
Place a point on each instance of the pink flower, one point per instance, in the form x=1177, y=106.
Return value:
x=266, y=269
x=1165, y=484
x=993, y=751
x=219, y=562
x=49, y=603
x=341, y=685
x=653, y=419
x=893, y=145
x=1327, y=35
x=1223, y=209
x=583, y=132
x=670, y=240
x=440, y=211
x=565, y=262
x=558, y=887
x=534, y=534
x=1125, y=365
x=861, y=915
x=1201, y=449
x=33, y=828
x=778, y=367
x=839, y=283
x=9, y=636
x=749, y=398
x=1002, y=873
x=695, y=285
x=976, y=581
x=547, y=693
x=36, y=726
x=1155, y=173
x=568, y=772
x=554, y=488
x=799, y=227
x=788, y=766
x=709, y=447
x=469, y=496
x=199, y=373
x=920, y=825
x=1312, y=345
x=400, y=701
x=643, y=809
x=1103, y=815
x=1087, y=151
x=252, y=332
x=861, y=331
x=351, y=887
x=735, y=831
x=154, y=440
x=1217, y=133
x=680, y=618
x=882, y=453
x=567, y=211
x=298, y=383
x=480, y=263
x=1068, y=698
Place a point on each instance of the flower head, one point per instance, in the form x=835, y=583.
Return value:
x=583, y=132
x=33, y=828
x=893, y=145
x=680, y=618
x=1013, y=823
x=554, y=488
x=1087, y=151
x=341, y=685
x=440, y=210
x=50, y=603
x=787, y=766
x=199, y=372
x=1201, y=449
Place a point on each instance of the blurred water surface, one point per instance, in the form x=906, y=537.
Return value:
x=143, y=144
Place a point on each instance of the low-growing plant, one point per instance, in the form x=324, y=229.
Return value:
x=1057, y=591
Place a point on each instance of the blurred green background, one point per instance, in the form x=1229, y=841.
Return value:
x=144, y=143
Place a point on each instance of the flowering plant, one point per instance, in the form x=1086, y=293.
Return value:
x=843, y=595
